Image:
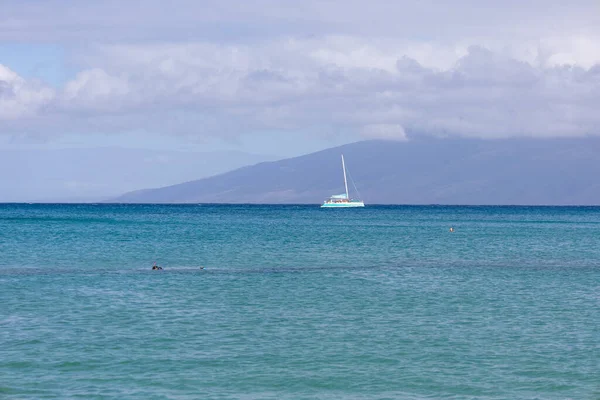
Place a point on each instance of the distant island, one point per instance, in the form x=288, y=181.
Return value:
x=524, y=171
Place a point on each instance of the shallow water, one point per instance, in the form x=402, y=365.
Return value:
x=297, y=302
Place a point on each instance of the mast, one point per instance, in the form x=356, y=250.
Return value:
x=345, y=182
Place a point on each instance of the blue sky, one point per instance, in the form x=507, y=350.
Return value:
x=41, y=61
x=280, y=78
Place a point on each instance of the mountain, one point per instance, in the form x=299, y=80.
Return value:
x=94, y=174
x=418, y=171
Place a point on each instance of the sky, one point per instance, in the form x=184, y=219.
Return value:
x=286, y=78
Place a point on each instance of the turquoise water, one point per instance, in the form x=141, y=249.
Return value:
x=298, y=302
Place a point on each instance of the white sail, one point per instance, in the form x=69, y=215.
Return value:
x=345, y=181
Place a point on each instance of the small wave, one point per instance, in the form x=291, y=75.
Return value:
x=12, y=320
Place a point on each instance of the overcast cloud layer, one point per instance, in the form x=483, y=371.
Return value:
x=378, y=69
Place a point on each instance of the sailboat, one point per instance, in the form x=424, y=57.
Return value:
x=342, y=200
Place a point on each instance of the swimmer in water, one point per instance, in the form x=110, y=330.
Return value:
x=156, y=266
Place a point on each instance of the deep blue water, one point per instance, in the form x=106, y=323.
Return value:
x=296, y=302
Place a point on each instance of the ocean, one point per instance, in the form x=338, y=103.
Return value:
x=298, y=302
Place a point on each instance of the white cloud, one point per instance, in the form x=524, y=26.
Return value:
x=323, y=67
x=19, y=98
x=385, y=131
x=95, y=88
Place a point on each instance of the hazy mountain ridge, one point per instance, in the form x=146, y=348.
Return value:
x=421, y=171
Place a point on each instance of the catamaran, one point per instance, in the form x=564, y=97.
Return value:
x=342, y=200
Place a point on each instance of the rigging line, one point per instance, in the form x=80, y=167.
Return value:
x=353, y=184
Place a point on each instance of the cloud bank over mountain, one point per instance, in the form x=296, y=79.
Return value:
x=377, y=70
